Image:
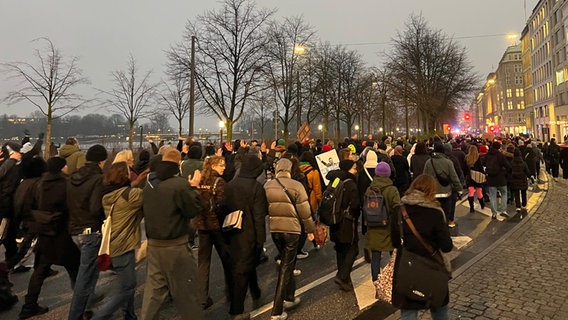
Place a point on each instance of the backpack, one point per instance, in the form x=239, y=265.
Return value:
x=329, y=210
x=375, y=210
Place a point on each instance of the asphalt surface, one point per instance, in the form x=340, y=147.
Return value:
x=500, y=267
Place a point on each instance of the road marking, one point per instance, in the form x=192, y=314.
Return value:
x=364, y=287
x=300, y=291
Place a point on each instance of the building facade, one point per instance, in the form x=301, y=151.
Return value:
x=542, y=73
x=509, y=116
x=559, y=22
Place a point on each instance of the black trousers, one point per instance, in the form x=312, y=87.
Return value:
x=42, y=270
x=287, y=244
x=241, y=282
x=346, y=253
x=520, y=195
x=208, y=239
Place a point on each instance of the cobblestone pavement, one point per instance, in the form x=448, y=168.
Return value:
x=524, y=276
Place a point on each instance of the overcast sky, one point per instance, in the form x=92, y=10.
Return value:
x=103, y=33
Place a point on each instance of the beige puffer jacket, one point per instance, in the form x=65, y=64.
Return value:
x=283, y=217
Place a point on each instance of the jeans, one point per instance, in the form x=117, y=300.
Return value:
x=346, y=254
x=493, y=198
x=88, y=274
x=440, y=313
x=287, y=245
x=123, y=297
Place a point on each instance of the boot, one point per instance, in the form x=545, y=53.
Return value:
x=470, y=200
x=481, y=203
x=32, y=309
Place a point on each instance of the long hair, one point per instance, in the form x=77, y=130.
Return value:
x=117, y=174
x=208, y=167
x=124, y=156
x=308, y=156
x=472, y=156
x=425, y=184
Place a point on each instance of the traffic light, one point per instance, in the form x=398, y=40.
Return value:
x=467, y=116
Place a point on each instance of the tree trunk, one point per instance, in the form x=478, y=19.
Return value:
x=229, y=126
x=131, y=136
x=180, y=127
x=47, y=141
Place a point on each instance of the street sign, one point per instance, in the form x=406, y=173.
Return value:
x=304, y=132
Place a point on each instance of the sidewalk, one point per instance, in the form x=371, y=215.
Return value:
x=522, y=275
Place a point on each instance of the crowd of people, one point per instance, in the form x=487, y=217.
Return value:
x=184, y=194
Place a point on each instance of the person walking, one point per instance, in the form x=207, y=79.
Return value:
x=345, y=234
x=245, y=193
x=497, y=168
x=377, y=239
x=208, y=225
x=74, y=157
x=443, y=170
x=289, y=211
x=474, y=188
x=427, y=215
x=124, y=203
x=54, y=246
x=554, y=158
x=518, y=180
x=86, y=215
x=169, y=201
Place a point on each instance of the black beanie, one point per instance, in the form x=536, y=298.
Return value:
x=346, y=164
x=96, y=153
x=55, y=164
x=438, y=147
x=194, y=152
x=292, y=148
x=144, y=155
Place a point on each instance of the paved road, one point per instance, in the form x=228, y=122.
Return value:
x=480, y=260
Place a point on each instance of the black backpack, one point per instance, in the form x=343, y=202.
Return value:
x=375, y=209
x=329, y=210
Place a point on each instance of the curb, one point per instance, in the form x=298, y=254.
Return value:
x=548, y=186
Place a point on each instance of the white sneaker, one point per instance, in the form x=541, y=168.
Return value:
x=297, y=272
x=500, y=218
x=291, y=304
x=302, y=255
x=504, y=214
x=282, y=316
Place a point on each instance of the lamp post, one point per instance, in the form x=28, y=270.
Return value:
x=320, y=128
x=141, y=132
x=357, y=130
x=221, y=126
x=298, y=50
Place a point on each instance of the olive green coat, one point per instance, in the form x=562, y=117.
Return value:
x=378, y=238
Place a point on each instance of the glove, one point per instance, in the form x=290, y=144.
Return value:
x=40, y=135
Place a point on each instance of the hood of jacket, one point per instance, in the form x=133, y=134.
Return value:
x=338, y=173
x=416, y=198
x=166, y=170
x=84, y=173
x=380, y=183
x=68, y=150
x=251, y=167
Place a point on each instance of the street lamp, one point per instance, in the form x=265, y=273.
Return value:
x=320, y=128
x=221, y=126
x=357, y=130
x=298, y=51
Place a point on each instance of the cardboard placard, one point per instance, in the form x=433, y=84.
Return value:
x=327, y=161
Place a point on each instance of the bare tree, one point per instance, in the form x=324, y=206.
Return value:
x=229, y=57
x=132, y=95
x=431, y=71
x=175, y=99
x=48, y=85
x=160, y=122
x=289, y=43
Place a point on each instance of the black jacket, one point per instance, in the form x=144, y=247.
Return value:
x=245, y=193
x=346, y=230
x=519, y=173
x=10, y=176
x=52, y=196
x=169, y=202
x=497, y=167
x=84, y=199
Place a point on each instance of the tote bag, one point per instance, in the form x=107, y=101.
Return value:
x=104, y=261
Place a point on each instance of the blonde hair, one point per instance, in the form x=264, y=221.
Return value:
x=123, y=156
x=472, y=156
x=171, y=155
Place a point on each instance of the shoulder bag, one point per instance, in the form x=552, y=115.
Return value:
x=417, y=277
x=104, y=261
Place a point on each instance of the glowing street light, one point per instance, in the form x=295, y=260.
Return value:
x=221, y=126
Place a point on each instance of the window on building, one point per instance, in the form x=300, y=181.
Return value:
x=518, y=68
x=509, y=93
x=519, y=93
x=560, y=77
x=519, y=80
x=509, y=105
